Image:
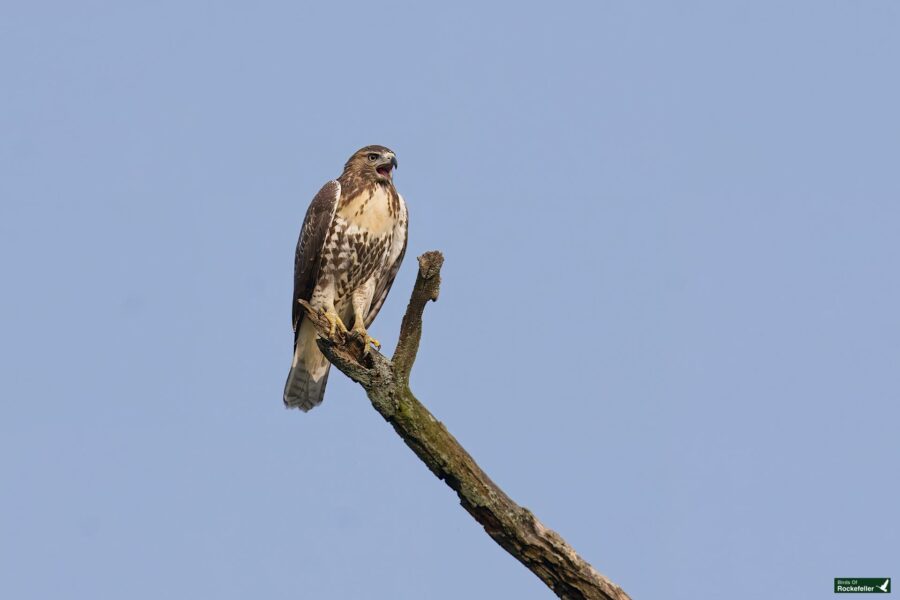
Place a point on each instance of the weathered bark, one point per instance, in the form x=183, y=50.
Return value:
x=386, y=383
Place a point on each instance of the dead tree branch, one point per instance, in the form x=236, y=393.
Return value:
x=386, y=383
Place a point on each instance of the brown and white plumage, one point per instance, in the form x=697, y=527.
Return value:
x=351, y=245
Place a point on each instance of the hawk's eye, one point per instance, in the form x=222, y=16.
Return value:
x=373, y=157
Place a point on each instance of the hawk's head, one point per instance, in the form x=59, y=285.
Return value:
x=374, y=163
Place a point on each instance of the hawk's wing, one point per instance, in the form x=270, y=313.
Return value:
x=309, y=247
x=385, y=283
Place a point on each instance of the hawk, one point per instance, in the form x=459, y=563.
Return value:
x=351, y=245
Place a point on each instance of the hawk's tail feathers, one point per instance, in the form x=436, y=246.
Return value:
x=305, y=386
x=302, y=391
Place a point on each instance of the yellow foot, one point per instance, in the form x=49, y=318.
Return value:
x=367, y=339
x=334, y=322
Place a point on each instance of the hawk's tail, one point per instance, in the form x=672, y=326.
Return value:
x=306, y=381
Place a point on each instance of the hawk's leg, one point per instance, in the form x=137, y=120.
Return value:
x=359, y=328
x=362, y=299
x=323, y=301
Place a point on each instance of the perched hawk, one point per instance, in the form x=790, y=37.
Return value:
x=351, y=245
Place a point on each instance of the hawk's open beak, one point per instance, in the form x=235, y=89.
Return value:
x=385, y=168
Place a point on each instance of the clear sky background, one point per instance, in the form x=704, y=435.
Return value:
x=669, y=321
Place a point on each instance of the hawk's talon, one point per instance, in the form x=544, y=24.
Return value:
x=334, y=322
x=366, y=338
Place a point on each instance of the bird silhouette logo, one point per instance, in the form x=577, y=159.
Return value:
x=884, y=587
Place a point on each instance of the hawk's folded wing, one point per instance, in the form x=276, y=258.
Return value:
x=309, y=247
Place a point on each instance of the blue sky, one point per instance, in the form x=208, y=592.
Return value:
x=668, y=324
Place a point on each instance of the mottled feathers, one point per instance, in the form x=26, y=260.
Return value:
x=351, y=244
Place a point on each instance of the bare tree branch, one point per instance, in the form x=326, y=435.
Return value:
x=428, y=286
x=386, y=383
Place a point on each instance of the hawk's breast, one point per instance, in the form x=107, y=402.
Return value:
x=364, y=236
